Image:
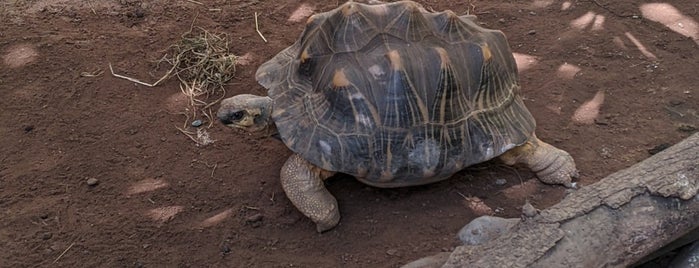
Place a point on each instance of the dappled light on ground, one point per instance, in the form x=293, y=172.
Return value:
x=524, y=61
x=164, y=214
x=589, y=111
x=619, y=43
x=301, y=13
x=640, y=46
x=478, y=207
x=19, y=55
x=213, y=220
x=594, y=21
x=522, y=190
x=568, y=71
x=147, y=185
x=245, y=59
x=566, y=5
x=672, y=18
x=176, y=103
x=542, y=3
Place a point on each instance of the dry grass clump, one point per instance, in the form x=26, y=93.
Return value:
x=203, y=64
x=203, y=58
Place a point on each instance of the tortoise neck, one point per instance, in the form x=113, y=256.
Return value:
x=264, y=119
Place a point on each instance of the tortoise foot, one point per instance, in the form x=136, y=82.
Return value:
x=551, y=165
x=303, y=185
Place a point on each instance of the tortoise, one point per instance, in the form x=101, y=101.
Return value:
x=395, y=96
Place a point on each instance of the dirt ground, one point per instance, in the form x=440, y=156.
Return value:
x=608, y=81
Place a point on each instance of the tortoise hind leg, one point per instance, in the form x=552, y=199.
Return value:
x=551, y=165
x=303, y=185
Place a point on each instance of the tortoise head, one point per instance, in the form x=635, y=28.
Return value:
x=249, y=112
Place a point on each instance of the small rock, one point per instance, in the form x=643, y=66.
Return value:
x=44, y=216
x=28, y=128
x=686, y=128
x=500, y=182
x=658, y=148
x=531, y=32
x=605, y=153
x=197, y=123
x=392, y=252
x=92, y=182
x=528, y=210
x=676, y=102
x=255, y=220
x=225, y=249
x=532, y=13
x=501, y=20
x=46, y=236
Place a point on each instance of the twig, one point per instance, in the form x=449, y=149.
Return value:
x=188, y=134
x=462, y=195
x=91, y=7
x=673, y=111
x=257, y=28
x=95, y=73
x=64, y=252
x=195, y=2
x=139, y=82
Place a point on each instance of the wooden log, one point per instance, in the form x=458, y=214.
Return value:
x=612, y=223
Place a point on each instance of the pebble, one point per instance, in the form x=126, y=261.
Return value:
x=528, y=210
x=531, y=32
x=676, y=102
x=225, y=249
x=500, y=182
x=197, y=123
x=392, y=252
x=46, y=236
x=255, y=220
x=92, y=182
x=686, y=128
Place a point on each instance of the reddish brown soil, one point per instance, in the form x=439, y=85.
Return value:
x=162, y=201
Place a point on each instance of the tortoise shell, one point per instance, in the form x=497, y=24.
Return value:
x=396, y=95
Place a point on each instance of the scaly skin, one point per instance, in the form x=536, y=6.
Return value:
x=551, y=165
x=303, y=185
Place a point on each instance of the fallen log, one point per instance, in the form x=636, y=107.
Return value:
x=615, y=222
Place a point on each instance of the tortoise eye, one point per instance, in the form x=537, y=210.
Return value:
x=235, y=116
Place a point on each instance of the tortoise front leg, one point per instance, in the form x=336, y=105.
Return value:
x=551, y=165
x=303, y=185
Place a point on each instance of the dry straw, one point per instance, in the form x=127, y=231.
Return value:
x=203, y=64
